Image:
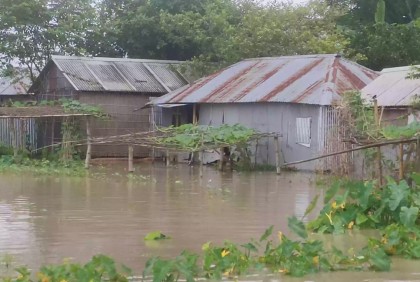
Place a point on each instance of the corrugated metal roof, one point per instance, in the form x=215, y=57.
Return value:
x=9, y=87
x=310, y=79
x=126, y=75
x=393, y=88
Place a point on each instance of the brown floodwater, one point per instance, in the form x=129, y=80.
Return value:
x=45, y=219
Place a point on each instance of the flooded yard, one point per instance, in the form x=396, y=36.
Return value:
x=44, y=219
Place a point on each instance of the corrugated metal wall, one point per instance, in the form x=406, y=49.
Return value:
x=269, y=117
x=24, y=131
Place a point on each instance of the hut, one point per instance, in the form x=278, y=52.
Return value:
x=12, y=90
x=292, y=96
x=397, y=94
x=118, y=86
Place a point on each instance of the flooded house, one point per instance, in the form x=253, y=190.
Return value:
x=117, y=85
x=291, y=96
x=397, y=93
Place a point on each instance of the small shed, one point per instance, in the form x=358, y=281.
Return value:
x=117, y=85
x=396, y=92
x=291, y=95
x=12, y=89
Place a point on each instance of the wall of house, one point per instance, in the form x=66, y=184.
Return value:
x=120, y=106
x=124, y=119
x=269, y=117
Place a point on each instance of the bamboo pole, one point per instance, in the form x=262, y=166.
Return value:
x=401, y=153
x=130, y=159
x=89, y=143
x=378, y=149
x=277, y=148
x=393, y=142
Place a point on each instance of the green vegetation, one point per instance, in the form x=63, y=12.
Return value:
x=194, y=138
x=21, y=163
x=99, y=268
x=156, y=235
x=68, y=105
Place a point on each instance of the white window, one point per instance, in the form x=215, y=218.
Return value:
x=303, y=131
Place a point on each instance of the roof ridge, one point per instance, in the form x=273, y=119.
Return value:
x=109, y=59
x=295, y=57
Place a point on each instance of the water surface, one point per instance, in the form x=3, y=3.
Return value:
x=45, y=219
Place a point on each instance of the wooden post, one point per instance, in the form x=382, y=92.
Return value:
x=130, y=158
x=378, y=149
x=201, y=163
x=221, y=159
x=168, y=161
x=256, y=153
x=89, y=143
x=13, y=137
x=401, y=174
x=195, y=114
x=277, y=147
x=52, y=134
x=418, y=154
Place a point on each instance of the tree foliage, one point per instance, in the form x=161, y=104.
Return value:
x=32, y=30
x=208, y=33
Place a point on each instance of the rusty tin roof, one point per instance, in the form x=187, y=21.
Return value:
x=120, y=74
x=392, y=88
x=309, y=79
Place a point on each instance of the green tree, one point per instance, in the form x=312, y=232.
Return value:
x=33, y=30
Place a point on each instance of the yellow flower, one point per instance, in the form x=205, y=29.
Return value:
x=350, y=226
x=384, y=240
x=63, y=280
x=315, y=260
x=280, y=235
x=334, y=205
x=225, y=253
x=329, y=217
x=283, y=271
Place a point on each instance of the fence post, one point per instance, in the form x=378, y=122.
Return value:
x=277, y=147
x=130, y=158
x=89, y=143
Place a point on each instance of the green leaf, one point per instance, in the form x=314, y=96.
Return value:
x=416, y=178
x=297, y=227
x=399, y=192
x=311, y=206
x=250, y=247
x=365, y=192
x=408, y=216
x=156, y=235
x=380, y=260
x=267, y=233
x=331, y=192
x=361, y=218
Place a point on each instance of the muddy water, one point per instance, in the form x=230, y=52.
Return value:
x=46, y=219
